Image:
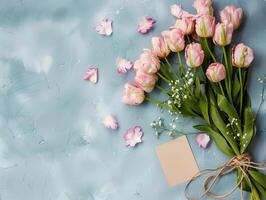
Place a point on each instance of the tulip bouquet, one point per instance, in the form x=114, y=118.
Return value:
x=210, y=85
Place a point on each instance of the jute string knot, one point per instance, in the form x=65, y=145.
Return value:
x=241, y=163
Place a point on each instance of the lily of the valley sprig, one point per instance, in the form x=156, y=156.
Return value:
x=208, y=83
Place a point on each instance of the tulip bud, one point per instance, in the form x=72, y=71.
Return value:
x=205, y=26
x=174, y=39
x=159, y=47
x=242, y=56
x=216, y=72
x=148, y=62
x=186, y=24
x=145, y=81
x=233, y=15
x=223, y=34
x=203, y=7
x=194, y=55
x=133, y=95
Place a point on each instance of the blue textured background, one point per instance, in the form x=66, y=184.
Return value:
x=52, y=143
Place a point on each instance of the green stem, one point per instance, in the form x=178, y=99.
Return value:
x=228, y=76
x=202, y=73
x=162, y=77
x=221, y=87
x=171, y=67
x=241, y=91
x=163, y=89
x=209, y=50
x=181, y=66
x=154, y=101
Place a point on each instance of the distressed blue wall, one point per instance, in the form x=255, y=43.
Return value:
x=52, y=143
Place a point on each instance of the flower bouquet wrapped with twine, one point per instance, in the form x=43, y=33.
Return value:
x=210, y=85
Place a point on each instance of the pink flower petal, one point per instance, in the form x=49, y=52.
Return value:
x=104, y=27
x=123, y=66
x=145, y=25
x=178, y=12
x=91, y=75
x=110, y=121
x=133, y=136
x=202, y=140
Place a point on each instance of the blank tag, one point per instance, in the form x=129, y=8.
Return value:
x=177, y=161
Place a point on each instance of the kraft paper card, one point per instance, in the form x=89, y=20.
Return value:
x=177, y=161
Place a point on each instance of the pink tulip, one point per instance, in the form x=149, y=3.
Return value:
x=233, y=15
x=242, y=55
x=160, y=47
x=194, y=55
x=133, y=95
x=223, y=34
x=186, y=24
x=145, y=81
x=205, y=26
x=148, y=62
x=174, y=39
x=216, y=72
x=203, y=7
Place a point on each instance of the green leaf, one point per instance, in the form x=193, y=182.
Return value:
x=204, y=47
x=218, y=139
x=261, y=190
x=245, y=185
x=236, y=88
x=226, y=132
x=197, y=83
x=248, y=130
x=258, y=177
x=229, y=109
x=254, y=194
x=203, y=104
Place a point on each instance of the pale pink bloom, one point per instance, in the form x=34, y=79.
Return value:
x=174, y=39
x=133, y=95
x=233, y=15
x=104, y=27
x=110, y=121
x=223, y=34
x=203, y=7
x=160, y=47
x=202, y=140
x=205, y=26
x=216, y=72
x=148, y=62
x=133, y=136
x=242, y=55
x=186, y=24
x=91, y=75
x=145, y=25
x=177, y=11
x=123, y=65
x=194, y=55
x=145, y=81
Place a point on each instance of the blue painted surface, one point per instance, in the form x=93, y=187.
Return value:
x=52, y=143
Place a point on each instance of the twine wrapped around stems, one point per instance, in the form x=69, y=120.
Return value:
x=242, y=162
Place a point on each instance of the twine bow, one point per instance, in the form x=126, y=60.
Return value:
x=241, y=162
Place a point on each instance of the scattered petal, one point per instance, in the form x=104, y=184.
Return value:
x=133, y=136
x=145, y=25
x=178, y=12
x=202, y=140
x=110, y=121
x=91, y=75
x=123, y=65
x=104, y=27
